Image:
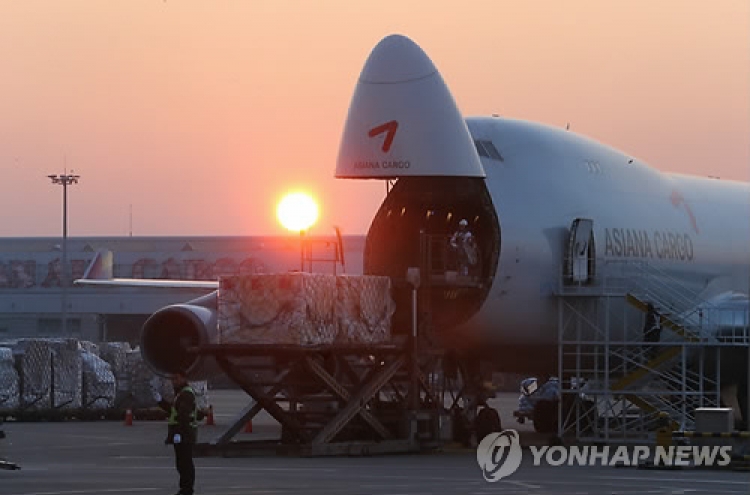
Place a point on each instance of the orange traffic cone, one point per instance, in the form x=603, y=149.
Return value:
x=128, y=417
x=210, y=417
x=249, y=426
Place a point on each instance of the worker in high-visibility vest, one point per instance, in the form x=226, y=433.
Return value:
x=182, y=429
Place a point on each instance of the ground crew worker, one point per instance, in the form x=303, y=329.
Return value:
x=182, y=429
x=462, y=243
x=651, y=329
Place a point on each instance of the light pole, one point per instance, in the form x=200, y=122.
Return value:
x=302, y=250
x=64, y=180
x=297, y=212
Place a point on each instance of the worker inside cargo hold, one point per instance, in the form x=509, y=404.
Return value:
x=414, y=228
x=464, y=249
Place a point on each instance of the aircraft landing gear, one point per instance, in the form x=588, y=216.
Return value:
x=488, y=421
x=545, y=416
x=469, y=387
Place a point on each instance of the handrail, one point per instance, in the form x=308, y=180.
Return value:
x=683, y=307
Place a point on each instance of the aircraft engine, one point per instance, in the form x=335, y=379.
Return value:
x=170, y=332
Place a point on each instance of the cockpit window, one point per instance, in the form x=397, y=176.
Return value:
x=480, y=148
x=487, y=149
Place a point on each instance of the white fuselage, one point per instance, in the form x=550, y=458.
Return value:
x=403, y=123
x=694, y=229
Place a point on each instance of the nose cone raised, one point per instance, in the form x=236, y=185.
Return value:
x=396, y=59
x=403, y=121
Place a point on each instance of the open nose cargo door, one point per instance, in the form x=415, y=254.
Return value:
x=403, y=120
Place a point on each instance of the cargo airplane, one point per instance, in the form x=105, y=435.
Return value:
x=549, y=209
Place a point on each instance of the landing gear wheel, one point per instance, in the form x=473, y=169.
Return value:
x=488, y=421
x=545, y=417
x=461, y=428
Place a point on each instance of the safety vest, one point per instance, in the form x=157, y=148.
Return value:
x=193, y=415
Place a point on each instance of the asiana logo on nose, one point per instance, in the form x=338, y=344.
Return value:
x=499, y=455
x=389, y=128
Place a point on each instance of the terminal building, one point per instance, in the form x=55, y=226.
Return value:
x=31, y=278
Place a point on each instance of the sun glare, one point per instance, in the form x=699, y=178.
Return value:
x=297, y=212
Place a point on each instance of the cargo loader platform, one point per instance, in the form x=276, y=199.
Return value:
x=332, y=400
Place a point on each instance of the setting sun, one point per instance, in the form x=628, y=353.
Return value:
x=297, y=211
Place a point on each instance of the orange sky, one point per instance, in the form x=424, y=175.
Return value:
x=201, y=114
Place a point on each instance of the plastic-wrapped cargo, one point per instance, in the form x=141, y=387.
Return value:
x=90, y=347
x=304, y=309
x=67, y=373
x=9, y=387
x=116, y=354
x=141, y=377
x=164, y=387
x=144, y=383
x=201, y=394
x=33, y=359
x=293, y=308
x=364, y=309
x=99, y=385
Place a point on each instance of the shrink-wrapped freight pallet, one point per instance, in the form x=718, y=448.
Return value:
x=304, y=309
x=201, y=394
x=89, y=347
x=9, y=391
x=50, y=374
x=141, y=381
x=33, y=358
x=165, y=389
x=363, y=309
x=145, y=385
x=67, y=374
x=42, y=378
x=116, y=355
x=99, y=385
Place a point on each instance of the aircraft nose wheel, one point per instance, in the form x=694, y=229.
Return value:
x=488, y=421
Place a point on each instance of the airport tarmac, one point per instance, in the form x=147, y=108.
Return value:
x=72, y=458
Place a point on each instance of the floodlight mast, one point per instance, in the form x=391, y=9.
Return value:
x=65, y=180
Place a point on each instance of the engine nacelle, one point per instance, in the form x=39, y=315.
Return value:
x=170, y=332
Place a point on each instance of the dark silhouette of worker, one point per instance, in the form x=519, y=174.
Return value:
x=651, y=330
x=463, y=245
x=182, y=429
